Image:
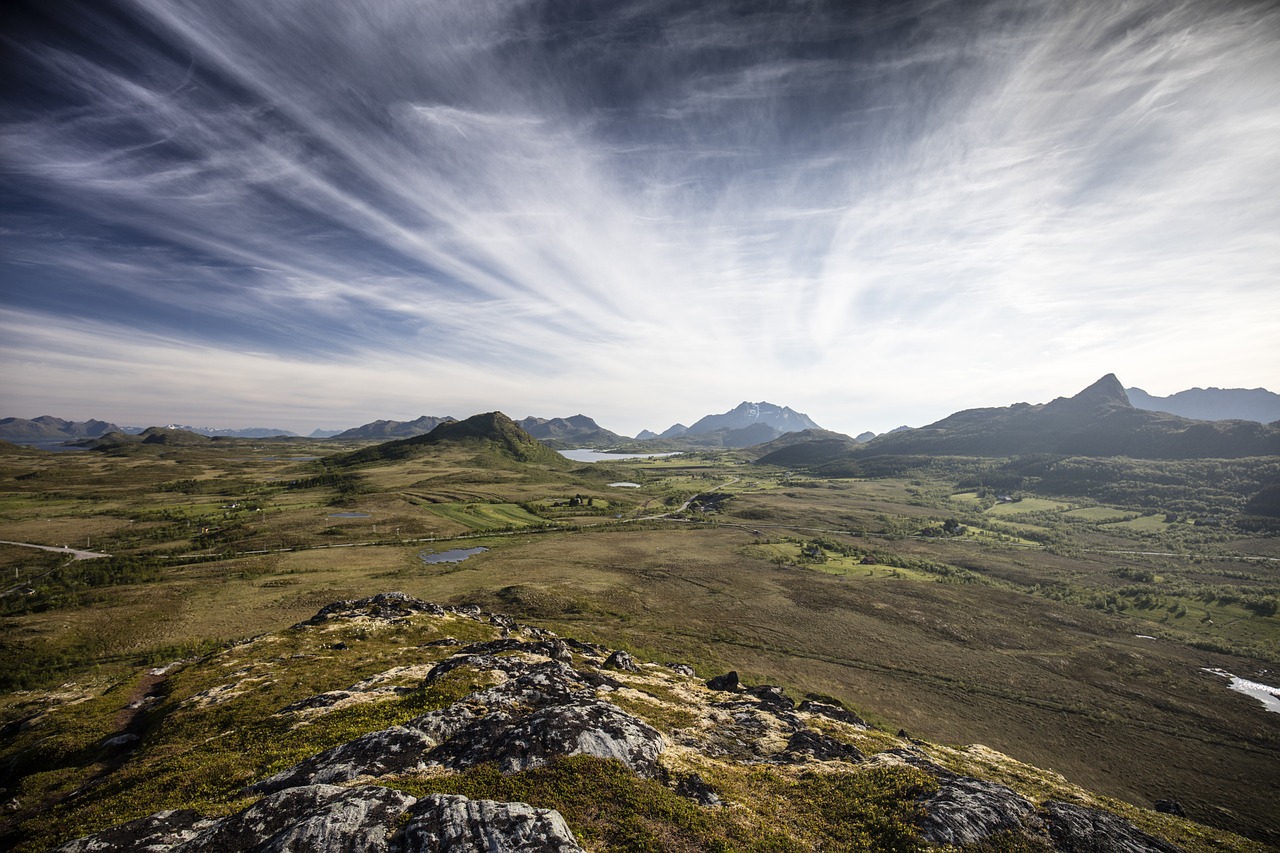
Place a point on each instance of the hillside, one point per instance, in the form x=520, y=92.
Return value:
x=394, y=724
x=491, y=433
x=805, y=448
x=1098, y=421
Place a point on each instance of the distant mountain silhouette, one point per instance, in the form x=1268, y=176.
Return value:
x=491, y=433
x=745, y=415
x=247, y=432
x=1099, y=421
x=47, y=428
x=395, y=429
x=577, y=429
x=1213, y=404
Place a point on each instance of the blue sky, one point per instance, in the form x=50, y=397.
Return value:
x=315, y=213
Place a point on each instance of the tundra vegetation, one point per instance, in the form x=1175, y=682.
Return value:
x=1062, y=611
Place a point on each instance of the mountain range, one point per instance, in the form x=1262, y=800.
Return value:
x=576, y=429
x=749, y=424
x=1213, y=404
x=395, y=429
x=1098, y=421
x=50, y=429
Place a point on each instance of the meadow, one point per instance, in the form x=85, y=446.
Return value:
x=1070, y=632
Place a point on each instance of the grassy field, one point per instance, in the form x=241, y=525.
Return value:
x=1022, y=633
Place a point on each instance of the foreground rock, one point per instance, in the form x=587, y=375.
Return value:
x=456, y=824
x=547, y=710
x=549, y=698
x=332, y=819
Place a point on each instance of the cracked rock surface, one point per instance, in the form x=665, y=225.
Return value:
x=544, y=712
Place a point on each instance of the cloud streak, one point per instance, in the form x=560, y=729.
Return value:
x=874, y=214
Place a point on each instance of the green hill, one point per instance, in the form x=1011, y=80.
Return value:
x=492, y=434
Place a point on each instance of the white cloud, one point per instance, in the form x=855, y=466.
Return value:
x=651, y=217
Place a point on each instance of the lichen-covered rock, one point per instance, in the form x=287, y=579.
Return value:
x=547, y=710
x=834, y=712
x=399, y=749
x=384, y=605
x=332, y=819
x=157, y=833
x=313, y=819
x=966, y=810
x=820, y=747
x=622, y=661
x=772, y=697
x=586, y=727
x=1076, y=829
x=455, y=824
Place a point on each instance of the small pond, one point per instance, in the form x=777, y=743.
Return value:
x=457, y=555
x=1266, y=694
x=348, y=515
x=583, y=454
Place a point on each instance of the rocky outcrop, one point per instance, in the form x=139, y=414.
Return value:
x=157, y=833
x=311, y=819
x=967, y=810
x=455, y=824
x=384, y=605
x=332, y=819
x=543, y=711
x=549, y=698
x=1076, y=829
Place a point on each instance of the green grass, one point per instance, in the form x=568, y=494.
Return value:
x=1098, y=514
x=484, y=516
x=1026, y=505
x=1141, y=524
x=611, y=809
x=838, y=565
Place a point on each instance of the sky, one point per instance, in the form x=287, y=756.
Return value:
x=317, y=213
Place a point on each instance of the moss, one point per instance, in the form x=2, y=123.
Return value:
x=611, y=808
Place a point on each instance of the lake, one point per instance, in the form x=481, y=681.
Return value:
x=583, y=454
x=457, y=555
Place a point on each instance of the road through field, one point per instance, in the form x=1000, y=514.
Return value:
x=63, y=549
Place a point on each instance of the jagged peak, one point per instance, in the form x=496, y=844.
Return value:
x=1106, y=390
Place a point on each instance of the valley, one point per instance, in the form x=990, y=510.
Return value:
x=1072, y=632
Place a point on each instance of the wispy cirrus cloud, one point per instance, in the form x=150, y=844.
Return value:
x=647, y=210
